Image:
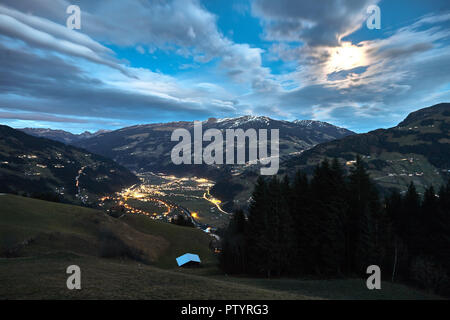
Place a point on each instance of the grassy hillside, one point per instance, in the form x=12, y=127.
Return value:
x=133, y=258
x=29, y=227
x=42, y=238
x=44, y=277
x=181, y=240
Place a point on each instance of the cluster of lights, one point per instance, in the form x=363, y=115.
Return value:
x=137, y=193
x=146, y=192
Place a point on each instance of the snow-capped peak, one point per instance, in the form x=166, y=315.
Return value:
x=310, y=123
x=239, y=121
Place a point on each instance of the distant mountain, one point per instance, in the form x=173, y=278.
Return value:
x=417, y=149
x=30, y=164
x=60, y=135
x=148, y=147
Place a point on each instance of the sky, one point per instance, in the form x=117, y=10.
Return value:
x=145, y=61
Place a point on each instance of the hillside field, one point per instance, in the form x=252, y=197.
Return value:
x=134, y=258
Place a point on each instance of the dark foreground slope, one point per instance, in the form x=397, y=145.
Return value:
x=134, y=258
x=417, y=150
x=29, y=164
x=131, y=257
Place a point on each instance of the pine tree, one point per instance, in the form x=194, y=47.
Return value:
x=282, y=239
x=257, y=235
x=301, y=216
x=396, y=264
x=326, y=219
x=394, y=207
x=233, y=258
x=364, y=208
x=427, y=218
x=440, y=228
x=269, y=236
x=411, y=219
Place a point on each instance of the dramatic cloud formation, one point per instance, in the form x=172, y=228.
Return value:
x=158, y=60
x=315, y=23
x=375, y=78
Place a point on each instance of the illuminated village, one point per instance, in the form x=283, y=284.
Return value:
x=167, y=197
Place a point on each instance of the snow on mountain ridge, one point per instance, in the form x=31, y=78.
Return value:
x=266, y=120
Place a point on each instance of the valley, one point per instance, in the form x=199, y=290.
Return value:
x=163, y=197
x=135, y=210
x=224, y=150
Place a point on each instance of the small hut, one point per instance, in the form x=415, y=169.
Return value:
x=188, y=260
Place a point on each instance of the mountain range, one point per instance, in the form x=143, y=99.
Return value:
x=148, y=147
x=61, y=135
x=417, y=149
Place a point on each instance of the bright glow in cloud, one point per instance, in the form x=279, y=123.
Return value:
x=345, y=57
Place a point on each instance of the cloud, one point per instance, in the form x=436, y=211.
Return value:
x=406, y=70
x=44, y=74
x=183, y=27
x=315, y=23
x=40, y=117
x=13, y=28
x=344, y=74
x=49, y=84
x=57, y=30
